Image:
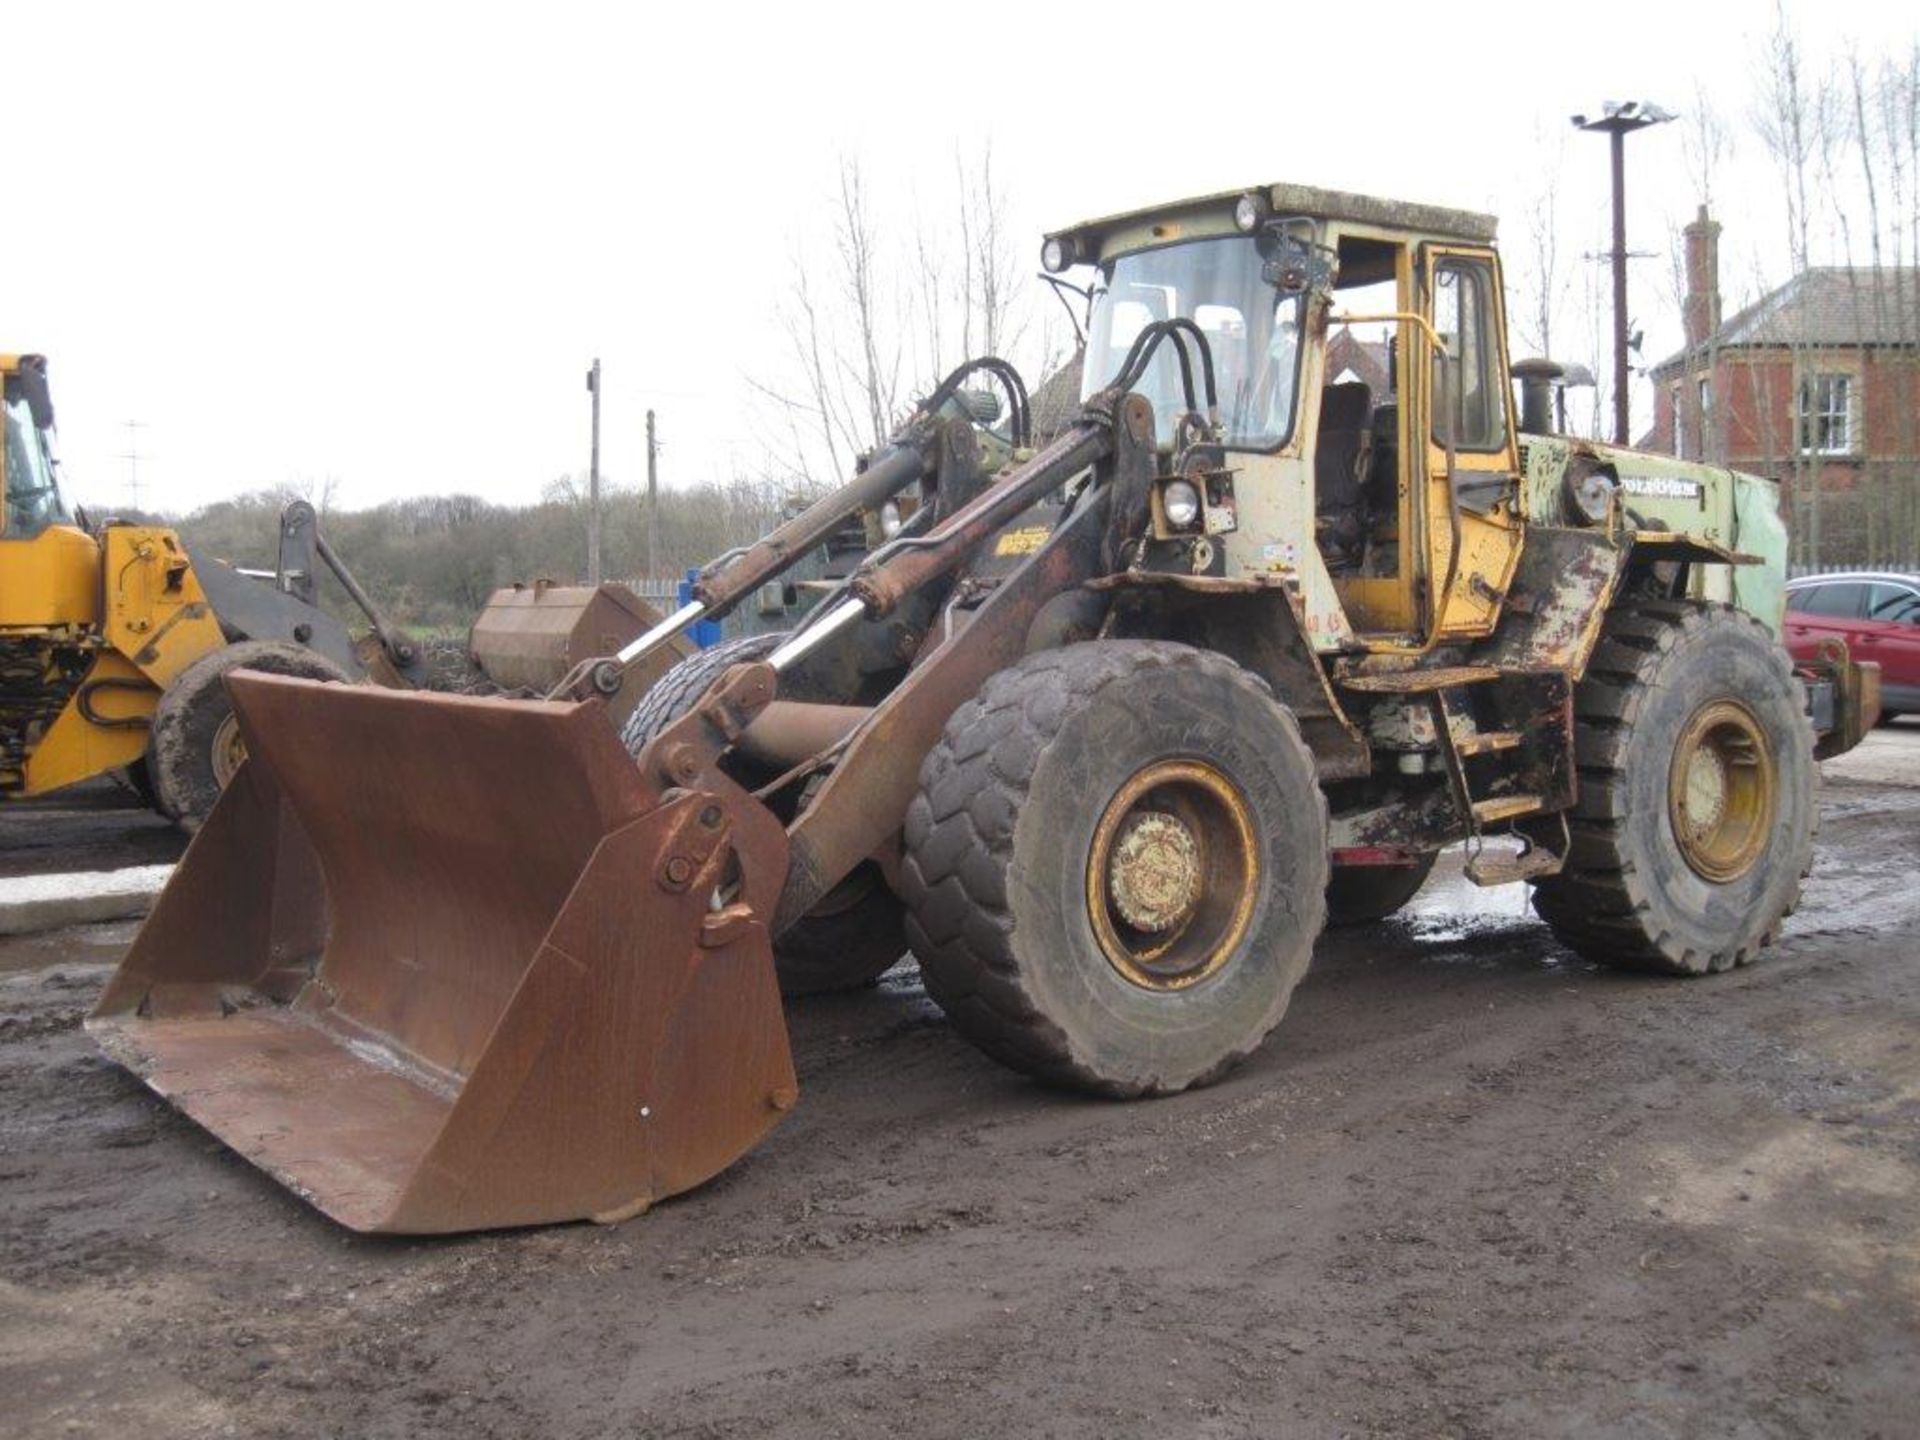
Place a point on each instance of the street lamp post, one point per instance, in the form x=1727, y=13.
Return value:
x=1616, y=120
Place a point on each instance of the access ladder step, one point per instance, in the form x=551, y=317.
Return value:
x=1486, y=742
x=1506, y=807
x=1485, y=869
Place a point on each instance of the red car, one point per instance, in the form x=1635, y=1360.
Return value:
x=1877, y=614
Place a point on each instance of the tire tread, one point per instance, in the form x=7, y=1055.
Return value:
x=1600, y=905
x=958, y=849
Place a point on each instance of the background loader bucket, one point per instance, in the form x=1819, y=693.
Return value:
x=440, y=963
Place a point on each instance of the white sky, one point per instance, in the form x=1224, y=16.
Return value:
x=382, y=242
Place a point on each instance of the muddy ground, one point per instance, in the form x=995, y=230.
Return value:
x=1472, y=1187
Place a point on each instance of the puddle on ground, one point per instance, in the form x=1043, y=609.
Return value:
x=1451, y=910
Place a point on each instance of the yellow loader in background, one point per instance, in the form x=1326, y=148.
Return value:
x=115, y=643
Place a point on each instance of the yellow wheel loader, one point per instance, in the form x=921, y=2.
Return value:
x=1097, y=734
x=115, y=643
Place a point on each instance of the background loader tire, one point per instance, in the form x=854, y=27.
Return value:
x=1362, y=894
x=1021, y=866
x=1698, y=803
x=194, y=745
x=854, y=935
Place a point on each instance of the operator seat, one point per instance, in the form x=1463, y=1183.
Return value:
x=1342, y=465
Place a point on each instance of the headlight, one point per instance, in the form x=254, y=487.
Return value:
x=1180, y=503
x=1249, y=212
x=889, y=519
x=1590, y=495
x=1057, y=254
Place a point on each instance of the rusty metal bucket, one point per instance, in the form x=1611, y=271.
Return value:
x=529, y=637
x=440, y=963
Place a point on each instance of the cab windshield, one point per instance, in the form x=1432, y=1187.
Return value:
x=32, y=486
x=1252, y=330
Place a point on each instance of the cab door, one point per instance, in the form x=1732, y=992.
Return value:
x=1472, y=489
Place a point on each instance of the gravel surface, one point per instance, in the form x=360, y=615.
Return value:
x=1472, y=1187
x=98, y=825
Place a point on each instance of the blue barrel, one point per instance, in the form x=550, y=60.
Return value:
x=705, y=633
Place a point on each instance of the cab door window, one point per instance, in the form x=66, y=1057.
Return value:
x=1463, y=317
x=29, y=481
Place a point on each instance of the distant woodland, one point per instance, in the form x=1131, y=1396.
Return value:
x=431, y=562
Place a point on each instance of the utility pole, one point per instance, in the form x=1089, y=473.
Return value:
x=593, y=481
x=1616, y=120
x=653, y=501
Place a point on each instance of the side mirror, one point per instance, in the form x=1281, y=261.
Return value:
x=1292, y=264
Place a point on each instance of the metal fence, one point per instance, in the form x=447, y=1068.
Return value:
x=660, y=592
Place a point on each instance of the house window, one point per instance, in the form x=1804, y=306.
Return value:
x=1679, y=424
x=1826, y=414
x=1706, y=417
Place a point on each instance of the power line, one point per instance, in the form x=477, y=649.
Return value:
x=132, y=457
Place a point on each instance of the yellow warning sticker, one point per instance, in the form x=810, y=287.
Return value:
x=1022, y=542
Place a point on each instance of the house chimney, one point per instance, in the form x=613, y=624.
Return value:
x=1700, y=311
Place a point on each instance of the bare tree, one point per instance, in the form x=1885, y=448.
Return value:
x=1539, y=280
x=839, y=399
x=875, y=368
x=992, y=273
x=879, y=315
x=1788, y=125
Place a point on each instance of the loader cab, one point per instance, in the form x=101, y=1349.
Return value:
x=30, y=498
x=49, y=567
x=1359, y=348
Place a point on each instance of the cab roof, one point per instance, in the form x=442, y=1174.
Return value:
x=1210, y=215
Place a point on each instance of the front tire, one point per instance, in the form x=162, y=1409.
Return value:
x=1116, y=866
x=1695, y=821
x=194, y=747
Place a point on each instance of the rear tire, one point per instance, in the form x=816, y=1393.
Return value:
x=1363, y=894
x=1697, y=809
x=854, y=935
x=194, y=746
x=1116, y=866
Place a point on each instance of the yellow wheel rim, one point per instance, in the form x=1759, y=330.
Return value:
x=229, y=750
x=1722, y=791
x=1172, y=875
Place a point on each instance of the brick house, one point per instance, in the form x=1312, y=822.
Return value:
x=1351, y=358
x=1816, y=385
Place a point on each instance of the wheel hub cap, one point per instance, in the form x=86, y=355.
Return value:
x=1705, y=800
x=1155, y=872
x=1173, y=875
x=1722, y=791
x=229, y=751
